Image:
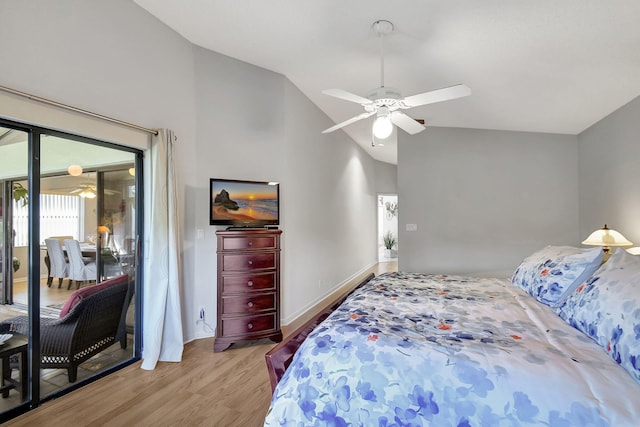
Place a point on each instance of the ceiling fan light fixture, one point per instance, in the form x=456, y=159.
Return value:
x=382, y=126
x=87, y=193
x=74, y=170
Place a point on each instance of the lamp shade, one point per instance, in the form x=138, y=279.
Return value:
x=606, y=237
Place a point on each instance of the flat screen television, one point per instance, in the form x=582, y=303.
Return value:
x=244, y=203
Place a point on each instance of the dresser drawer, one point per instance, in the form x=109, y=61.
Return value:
x=248, y=243
x=244, y=262
x=248, y=324
x=248, y=282
x=248, y=304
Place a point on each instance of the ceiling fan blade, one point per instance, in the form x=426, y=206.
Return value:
x=406, y=123
x=349, y=121
x=439, y=95
x=347, y=96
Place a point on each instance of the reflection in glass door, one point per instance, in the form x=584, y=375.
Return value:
x=116, y=211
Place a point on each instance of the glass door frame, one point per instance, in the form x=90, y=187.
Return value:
x=6, y=280
x=34, y=134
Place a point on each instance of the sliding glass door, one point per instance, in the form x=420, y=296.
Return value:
x=71, y=216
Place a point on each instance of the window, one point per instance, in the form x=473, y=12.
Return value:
x=60, y=215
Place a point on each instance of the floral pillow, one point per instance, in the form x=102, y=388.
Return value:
x=550, y=274
x=607, y=308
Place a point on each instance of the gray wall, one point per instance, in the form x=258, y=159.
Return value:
x=331, y=206
x=609, y=155
x=386, y=178
x=254, y=124
x=482, y=200
x=232, y=120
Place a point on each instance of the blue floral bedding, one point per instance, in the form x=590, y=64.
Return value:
x=434, y=350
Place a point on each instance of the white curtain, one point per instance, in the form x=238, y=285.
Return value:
x=162, y=320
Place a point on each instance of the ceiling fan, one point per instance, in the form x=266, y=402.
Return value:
x=89, y=191
x=387, y=103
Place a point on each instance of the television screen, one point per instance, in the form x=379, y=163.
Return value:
x=244, y=203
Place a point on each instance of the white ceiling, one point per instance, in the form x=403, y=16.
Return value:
x=533, y=65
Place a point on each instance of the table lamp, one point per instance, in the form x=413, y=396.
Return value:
x=606, y=238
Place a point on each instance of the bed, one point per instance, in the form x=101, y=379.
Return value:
x=557, y=344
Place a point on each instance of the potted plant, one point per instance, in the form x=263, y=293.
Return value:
x=389, y=242
x=20, y=194
x=16, y=264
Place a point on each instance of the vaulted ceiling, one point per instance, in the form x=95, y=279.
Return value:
x=539, y=66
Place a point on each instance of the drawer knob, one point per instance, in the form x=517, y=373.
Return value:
x=250, y=262
x=250, y=326
x=250, y=283
x=250, y=243
x=250, y=304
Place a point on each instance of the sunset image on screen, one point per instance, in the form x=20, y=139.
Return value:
x=244, y=201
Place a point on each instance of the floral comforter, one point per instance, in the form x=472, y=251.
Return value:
x=434, y=350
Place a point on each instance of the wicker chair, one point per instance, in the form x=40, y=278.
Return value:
x=95, y=322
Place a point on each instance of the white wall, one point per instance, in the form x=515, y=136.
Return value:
x=483, y=200
x=232, y=120
x=609, y=155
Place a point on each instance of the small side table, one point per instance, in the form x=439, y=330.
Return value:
x=18, y=344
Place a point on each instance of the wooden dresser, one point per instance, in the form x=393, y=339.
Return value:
x=248, y=286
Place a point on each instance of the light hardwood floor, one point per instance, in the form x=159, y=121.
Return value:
x=227, y=389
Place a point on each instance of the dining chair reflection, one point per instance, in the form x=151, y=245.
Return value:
x=59, y=267
x=80, y=268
